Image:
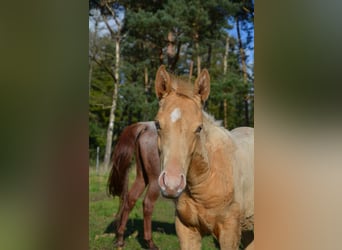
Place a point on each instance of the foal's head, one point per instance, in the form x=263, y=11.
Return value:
x=179, y=123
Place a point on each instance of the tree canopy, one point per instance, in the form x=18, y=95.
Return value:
x=178, y=34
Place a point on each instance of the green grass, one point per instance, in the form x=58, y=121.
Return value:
x=101, y=215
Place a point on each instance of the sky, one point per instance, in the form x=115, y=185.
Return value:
x=249, y=52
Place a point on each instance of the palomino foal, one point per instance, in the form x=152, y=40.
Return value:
x=207, y=169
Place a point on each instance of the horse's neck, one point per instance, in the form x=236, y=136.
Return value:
x=215, y=144
x=199, y=169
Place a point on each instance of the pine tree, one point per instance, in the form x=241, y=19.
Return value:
x=177, y=34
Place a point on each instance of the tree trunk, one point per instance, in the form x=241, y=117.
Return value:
x=115, y=35
x=225, y=115
x=198, y=59
x=161, y=56
x=209, y=56
x=171, y=51
x=242, y=52
x=225, y=58
x=117, y=59
x=244, y=71
x=110, y=129
x=92, y=52
x=90, y=75
x=225, y=67
x=146, y=80
x=190, y=70
x=245, y=100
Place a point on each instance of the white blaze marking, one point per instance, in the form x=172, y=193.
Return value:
x=175, y=115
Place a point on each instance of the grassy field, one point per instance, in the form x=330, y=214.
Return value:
x=101, y=215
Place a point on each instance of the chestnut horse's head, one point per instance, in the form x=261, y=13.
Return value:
x=179, y=123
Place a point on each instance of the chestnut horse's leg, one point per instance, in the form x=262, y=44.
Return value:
x=132, y=196
x=189, y=238
x=151, y=197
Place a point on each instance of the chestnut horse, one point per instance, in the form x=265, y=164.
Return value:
x=208, y=170
x=140, y=138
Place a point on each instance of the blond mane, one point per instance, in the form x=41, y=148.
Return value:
x=209, y=119
x=182, y=87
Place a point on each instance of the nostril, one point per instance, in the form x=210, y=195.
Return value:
x=161, y=180
x=164, y=179
x=182, y=183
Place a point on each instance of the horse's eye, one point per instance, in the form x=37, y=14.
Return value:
x=157, y=125
x=199, y=128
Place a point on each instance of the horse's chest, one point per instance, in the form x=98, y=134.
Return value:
x=194, y=215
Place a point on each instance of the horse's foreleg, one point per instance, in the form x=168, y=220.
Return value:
x=132, y=196
x=189, y=238
x=151, y=197
x=228, y=232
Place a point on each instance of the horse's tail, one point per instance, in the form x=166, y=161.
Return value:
x=122, y=156
x=117, y=184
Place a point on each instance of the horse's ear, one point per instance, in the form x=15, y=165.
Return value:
x=163, y=82
x=202, y=85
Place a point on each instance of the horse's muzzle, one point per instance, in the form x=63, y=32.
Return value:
x=171, y=186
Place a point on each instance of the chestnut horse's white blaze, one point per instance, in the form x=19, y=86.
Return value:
x=208, y=169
